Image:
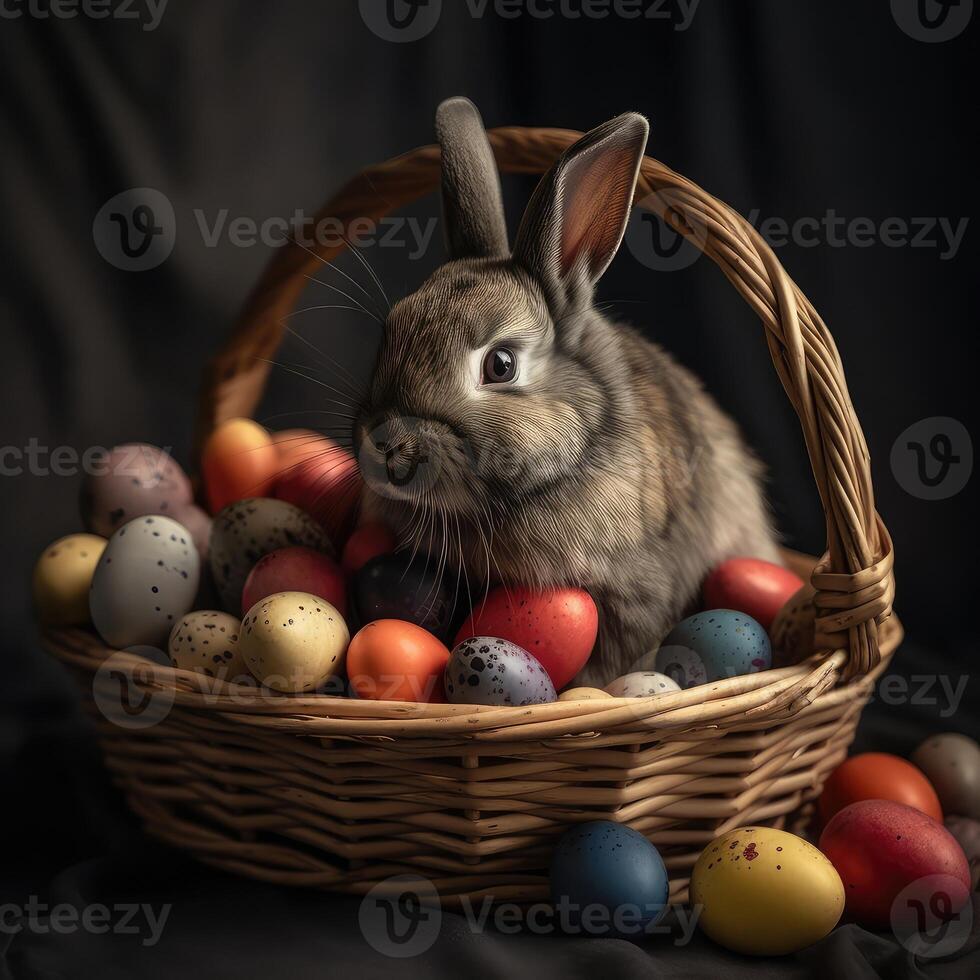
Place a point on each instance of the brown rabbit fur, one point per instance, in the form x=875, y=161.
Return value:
x=516, y=434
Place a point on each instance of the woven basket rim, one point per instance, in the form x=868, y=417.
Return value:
x=764, y=696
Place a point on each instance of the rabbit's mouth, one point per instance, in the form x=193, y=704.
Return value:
x=421, y=462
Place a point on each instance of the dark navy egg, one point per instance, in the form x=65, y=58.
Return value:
x=389, y=587
x=607, y=879
x=713, y=645
x=489, y=670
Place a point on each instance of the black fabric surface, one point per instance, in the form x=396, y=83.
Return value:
x=784, y=109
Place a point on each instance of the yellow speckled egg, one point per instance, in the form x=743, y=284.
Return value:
x=765, y=892
x=293, y=641
x=583, y=694
x=62, y=578
x=207, y=642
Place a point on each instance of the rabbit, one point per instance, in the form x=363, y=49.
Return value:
x=518, y=436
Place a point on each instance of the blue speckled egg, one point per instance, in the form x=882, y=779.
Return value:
x=607, y=879
x=713, y=645
x=488, y=670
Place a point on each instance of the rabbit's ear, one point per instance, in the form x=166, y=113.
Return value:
x=577, y=215
x=472, y=205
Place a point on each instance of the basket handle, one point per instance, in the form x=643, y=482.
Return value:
x=853, y=580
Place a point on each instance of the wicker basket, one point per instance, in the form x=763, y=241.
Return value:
x=342, y=794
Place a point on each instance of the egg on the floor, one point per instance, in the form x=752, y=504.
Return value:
x=62, y=579
x=951, y=762
x=608, y=879
x=765, y=892
x=878, y=776
x=883, y=849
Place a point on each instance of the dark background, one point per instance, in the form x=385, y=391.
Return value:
x=787, y=109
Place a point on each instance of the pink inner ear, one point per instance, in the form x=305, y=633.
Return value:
x=596, y=195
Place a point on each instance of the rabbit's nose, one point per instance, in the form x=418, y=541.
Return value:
x=402, y=456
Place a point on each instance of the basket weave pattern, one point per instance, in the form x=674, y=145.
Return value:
x=342, y=794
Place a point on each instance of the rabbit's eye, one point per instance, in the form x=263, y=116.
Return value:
x=499, y=365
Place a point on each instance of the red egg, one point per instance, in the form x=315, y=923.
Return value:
x=320, y=477
x=558, y=627
x=895, y=862
x=878, y=776
x=238, y=461
x=367, y=542
x=752, y=586
x=296, y=570
x=391, y=660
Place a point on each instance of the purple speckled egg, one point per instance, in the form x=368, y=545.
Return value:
x=489, y=670
x=198, y=523
x=133, y=480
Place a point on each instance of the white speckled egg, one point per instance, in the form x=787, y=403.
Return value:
x=144, y=582
x=641, y=684
x=244, y=531
x=207, y=642
x=293, y=641
x=63, y=577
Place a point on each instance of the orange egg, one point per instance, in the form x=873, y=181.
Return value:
x=392, y=660
x=878, y=776
x=239, y=461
